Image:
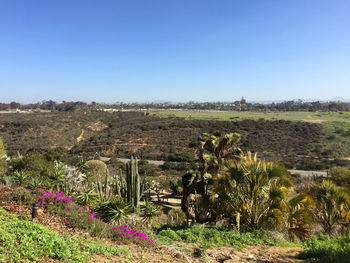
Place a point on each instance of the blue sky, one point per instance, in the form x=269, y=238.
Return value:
x=175, y=50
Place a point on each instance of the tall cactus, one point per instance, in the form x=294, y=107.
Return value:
x=105, y=190
x=133, y=183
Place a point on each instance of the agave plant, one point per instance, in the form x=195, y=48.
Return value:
x=82, y=167
x=20, y=177
x=37, y=182
x=88, y=179
x=115, y=210
x=87, y=197
x=57, y=177
x=149, y=212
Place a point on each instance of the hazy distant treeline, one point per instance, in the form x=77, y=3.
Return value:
x=239, y=105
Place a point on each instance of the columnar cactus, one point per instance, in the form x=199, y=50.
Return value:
x=105, y=190
x=133, y=183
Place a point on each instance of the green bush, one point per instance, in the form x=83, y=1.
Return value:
x=340, y=175
x=215, y=236
x=324, y=249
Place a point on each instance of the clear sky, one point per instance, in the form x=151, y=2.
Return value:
x=174, y=50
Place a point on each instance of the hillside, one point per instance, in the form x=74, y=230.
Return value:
x=298, y=144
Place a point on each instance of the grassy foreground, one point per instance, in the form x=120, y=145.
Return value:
x=324, y=249
x=25, y=241
x=216, y=237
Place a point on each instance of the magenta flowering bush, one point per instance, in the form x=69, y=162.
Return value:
x=82, y=216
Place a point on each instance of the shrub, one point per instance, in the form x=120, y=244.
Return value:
x=340, y=175
x=215, y=236
x=176, y=186
x=97, y=168
x=324, y=249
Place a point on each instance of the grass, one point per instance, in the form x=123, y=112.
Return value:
x=215, y=237
x=25, y=241
x=324, y=249
x=238, y=115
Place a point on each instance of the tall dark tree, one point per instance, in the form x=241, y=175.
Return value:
x=213, y=152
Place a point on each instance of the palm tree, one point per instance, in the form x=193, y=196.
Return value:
x=331, y=203
x=300, y=211
x=252, y=193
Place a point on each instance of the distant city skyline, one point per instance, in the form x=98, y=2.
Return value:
x=177, y=51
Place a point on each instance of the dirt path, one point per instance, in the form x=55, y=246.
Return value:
x=81, y=136
x=258, y=254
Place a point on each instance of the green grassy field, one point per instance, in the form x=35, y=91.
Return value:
x=317, y=117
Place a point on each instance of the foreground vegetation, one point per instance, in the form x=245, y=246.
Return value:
x=218, y=236
x=324, y=249
x=25, y=241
